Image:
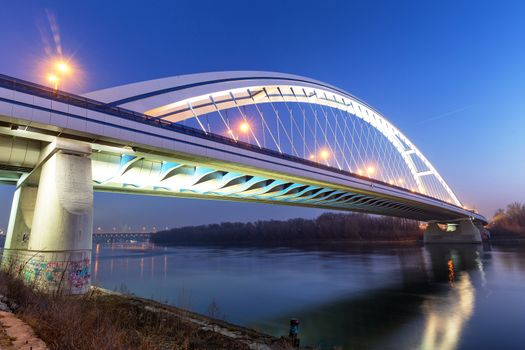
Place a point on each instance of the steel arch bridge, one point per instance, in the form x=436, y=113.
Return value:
x=292, y=115
x=305, y=127
x=240, y=136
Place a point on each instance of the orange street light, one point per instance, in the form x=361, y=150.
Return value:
x=370, y=170
x=244, y=127
x=63, y=67
x=53, y=79
x=324, y=154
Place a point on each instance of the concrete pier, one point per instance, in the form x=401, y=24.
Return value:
x=461, y=231
x=49, y=238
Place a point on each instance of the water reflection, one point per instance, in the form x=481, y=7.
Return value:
x=447, y=315
x=435, y=297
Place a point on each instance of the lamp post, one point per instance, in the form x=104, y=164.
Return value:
x=61, y=69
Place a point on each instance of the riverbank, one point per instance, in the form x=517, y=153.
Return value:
x=107, y=320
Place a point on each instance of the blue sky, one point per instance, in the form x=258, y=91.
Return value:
x=449, y=74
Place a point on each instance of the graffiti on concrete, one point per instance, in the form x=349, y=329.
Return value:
x=52, y=275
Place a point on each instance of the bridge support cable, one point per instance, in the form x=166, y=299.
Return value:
x=196, y=117
x=343, y=133
x=293, y=122
x=327, y=144
x=245, y=119
x=334, y=132
x=265, y=123
x=305, y=123
x=327, y=125
x=281, y=123
x=384, y=153
x=354, y=144
x=345, y=139
x=230, y=131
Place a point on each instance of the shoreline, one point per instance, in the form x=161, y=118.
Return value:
x=332, y=243
x=294, y=244
x=125, y=320
x=252, y=338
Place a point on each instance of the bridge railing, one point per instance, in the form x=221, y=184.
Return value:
x=27, y=87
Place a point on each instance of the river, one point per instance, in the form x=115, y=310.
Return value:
x=345, y=297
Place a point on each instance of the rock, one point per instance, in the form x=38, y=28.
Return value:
x=12, y=305
x=4, y=307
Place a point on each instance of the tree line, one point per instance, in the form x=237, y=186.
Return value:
x=509, y=221
x=326, y=227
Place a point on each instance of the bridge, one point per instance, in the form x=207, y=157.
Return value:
x=119, y=235
x=239, y=136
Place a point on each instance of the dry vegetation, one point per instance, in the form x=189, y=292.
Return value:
x=100, y=320
x=509, y=222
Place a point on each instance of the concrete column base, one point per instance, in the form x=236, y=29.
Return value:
x=466, y=232
x=49, y=238
x=54, y=272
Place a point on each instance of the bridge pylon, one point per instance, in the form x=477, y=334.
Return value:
x=459, y=231
x=49, y=237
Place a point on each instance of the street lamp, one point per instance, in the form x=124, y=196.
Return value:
x=61, y=68
x=53, y=79
x=244, y=127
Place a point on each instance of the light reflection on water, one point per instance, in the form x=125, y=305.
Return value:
x=446, y=317
x=434, y=297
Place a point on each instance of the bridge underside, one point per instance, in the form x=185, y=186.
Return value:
x=140, y=171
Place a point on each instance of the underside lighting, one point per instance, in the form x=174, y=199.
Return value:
x=370, y=170
x=324, y=154
x=312, y=157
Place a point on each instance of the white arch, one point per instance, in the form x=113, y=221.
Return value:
x=187, y=96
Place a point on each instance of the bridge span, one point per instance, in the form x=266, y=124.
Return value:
x=240, y=136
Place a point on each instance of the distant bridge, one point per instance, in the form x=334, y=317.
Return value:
x=241, y=136
x=116, y=235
